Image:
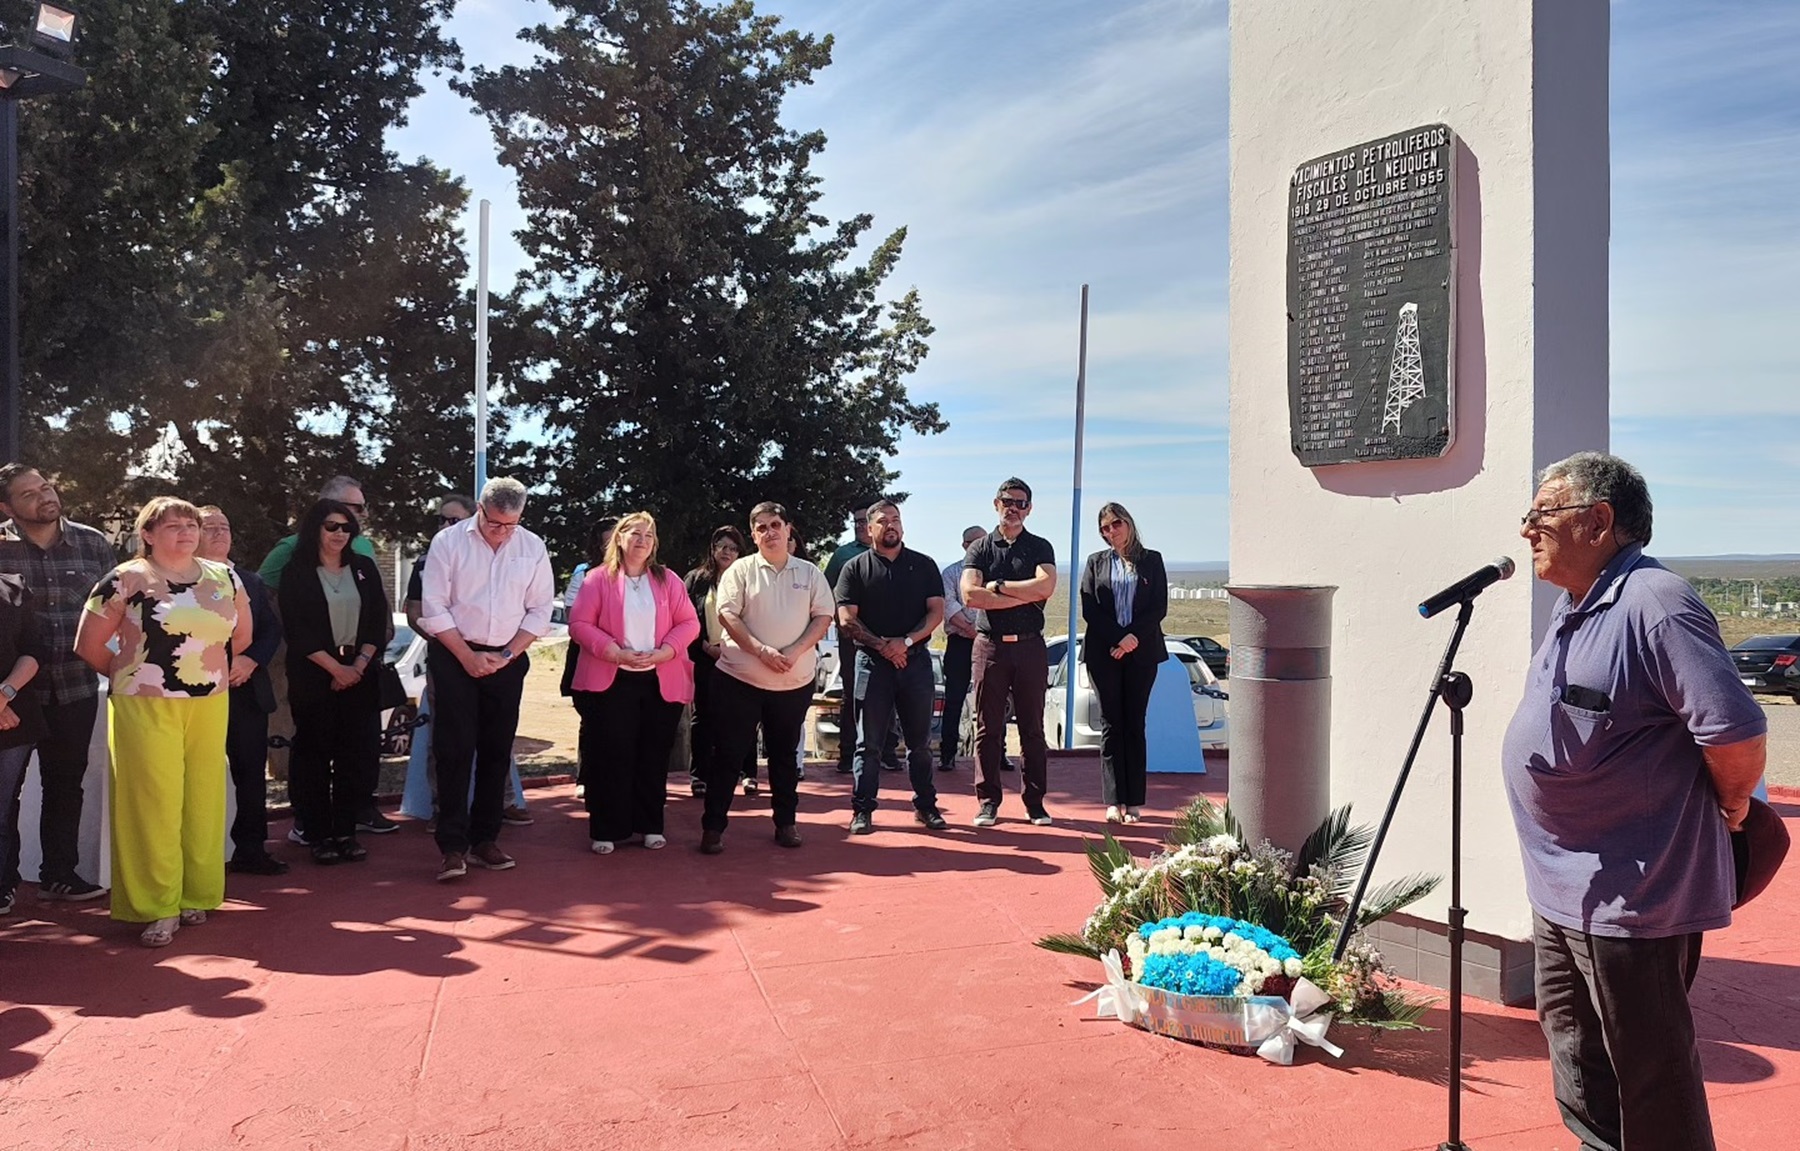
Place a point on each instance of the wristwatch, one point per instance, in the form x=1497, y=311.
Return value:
x=507, y=654
x=999, y=587
x=909, y=640
x=9, y=691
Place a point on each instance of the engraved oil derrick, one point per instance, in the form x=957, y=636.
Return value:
x=1406, y=379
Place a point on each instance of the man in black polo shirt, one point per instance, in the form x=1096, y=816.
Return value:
x=1007, y=576
x=889, y=601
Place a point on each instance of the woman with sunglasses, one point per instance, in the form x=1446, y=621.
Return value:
x=336, y=615
x=1124, y=597
x=176, y=617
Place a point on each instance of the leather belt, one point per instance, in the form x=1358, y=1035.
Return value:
x=1011, y=637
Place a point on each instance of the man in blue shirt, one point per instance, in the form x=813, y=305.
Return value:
x=1629, y=761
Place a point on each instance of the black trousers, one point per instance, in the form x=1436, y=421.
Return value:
x=701, y=741
x=62, y=762
x=472, y=731
x=847, y=705
x=1622, y=1053
x=738, y=708
x=1123, y=686
x=247, y=751
x=959, y=656
x=1021, y=670
x=626, y=733
x=337, y=742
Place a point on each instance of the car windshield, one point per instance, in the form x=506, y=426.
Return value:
x=1766, y=642
x=397, y=647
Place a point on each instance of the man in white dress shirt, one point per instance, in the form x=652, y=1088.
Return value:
x=487, y=596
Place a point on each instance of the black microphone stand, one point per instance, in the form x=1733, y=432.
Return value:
x=1456, y=690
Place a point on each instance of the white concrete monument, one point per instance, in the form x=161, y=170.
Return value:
x=1363, y=456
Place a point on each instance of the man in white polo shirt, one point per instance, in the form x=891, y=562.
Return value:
x=486, y=597
x=775, y=608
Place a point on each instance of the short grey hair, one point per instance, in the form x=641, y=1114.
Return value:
x=1596, y=477
x=337, y=486
x=503, y=494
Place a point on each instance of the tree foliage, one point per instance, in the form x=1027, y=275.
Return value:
x=705, y=337
x=234, y=289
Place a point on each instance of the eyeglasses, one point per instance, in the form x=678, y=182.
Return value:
x=772, y=525
x=1109, y=525
x=448, y=520
x=499, y=525
x=1535, y=516
x=1009, y=502
x=338, y=527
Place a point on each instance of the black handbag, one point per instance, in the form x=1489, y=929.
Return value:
x=393, y=692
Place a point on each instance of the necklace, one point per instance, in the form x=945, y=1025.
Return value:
x=334, y=582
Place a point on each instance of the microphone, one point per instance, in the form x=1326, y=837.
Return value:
x=1468, y=587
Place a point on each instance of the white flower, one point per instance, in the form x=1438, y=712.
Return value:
x=1292, y=968
x=1214, y=934
x=1222, y=844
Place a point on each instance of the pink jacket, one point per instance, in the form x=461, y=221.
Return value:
x=598, y=619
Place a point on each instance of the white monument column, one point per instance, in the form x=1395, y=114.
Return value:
x=1521, y=86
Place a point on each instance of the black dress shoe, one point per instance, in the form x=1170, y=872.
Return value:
x=256, y=863
x=712, y=842
x=351, y=851
x=788, y=836
x=326, y=851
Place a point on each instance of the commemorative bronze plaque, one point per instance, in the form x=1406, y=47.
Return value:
x=1370, y=301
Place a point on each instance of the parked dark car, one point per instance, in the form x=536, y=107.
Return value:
x=1213, y=653
x=825, y=725
x=1769, y=663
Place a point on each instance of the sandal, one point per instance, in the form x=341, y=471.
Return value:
x=326, y=851
x=192, y=917
x=160, y=933
x=1132, y=815
x=351, y=851
x=1113, y=816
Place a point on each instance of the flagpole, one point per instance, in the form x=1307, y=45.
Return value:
x=1075, y=531
x=481, y=352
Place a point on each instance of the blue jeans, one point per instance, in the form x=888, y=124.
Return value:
x=12, y=782
x=886, y=694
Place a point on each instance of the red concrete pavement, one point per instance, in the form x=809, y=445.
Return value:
x=868, y=992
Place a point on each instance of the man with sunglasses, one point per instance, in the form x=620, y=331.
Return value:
x=487, y=596
x=348, y=492
x=1007, y=575
x=1629, y=761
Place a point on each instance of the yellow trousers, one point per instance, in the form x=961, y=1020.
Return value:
x=168, y=804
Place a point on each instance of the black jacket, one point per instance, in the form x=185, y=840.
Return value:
x=265, y=641
x=308, y=624
x=1099, y=614
x=21, y=634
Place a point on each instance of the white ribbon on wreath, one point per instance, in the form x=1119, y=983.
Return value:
x=1118, y=996
x=1306, y=1024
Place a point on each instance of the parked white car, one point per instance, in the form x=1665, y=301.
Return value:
x=1209, y=699
x=406, y=651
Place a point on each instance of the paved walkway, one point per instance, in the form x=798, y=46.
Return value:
x=869, y=992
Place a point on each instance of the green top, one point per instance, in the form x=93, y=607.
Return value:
x=343, y=603
x=841, y=557
x=283, y=551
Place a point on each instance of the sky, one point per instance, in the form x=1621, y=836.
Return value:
x=1032, y=146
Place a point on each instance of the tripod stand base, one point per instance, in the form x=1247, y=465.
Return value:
x=1453, y=1147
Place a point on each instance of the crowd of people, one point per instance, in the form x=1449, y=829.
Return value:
x=204, y=658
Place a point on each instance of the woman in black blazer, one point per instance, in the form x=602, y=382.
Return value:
x=336, y=615
x=1124, y=597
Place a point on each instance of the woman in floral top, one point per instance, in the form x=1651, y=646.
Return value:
x=174, y=615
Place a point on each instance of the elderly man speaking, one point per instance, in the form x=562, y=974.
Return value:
x=1630, y=759
x=487, y=596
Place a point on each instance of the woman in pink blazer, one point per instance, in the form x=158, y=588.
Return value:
x=633, y=622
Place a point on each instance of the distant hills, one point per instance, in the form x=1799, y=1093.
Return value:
x=1734, y=566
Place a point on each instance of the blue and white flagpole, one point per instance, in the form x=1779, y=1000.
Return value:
x=481, y=352
x=1075, y=533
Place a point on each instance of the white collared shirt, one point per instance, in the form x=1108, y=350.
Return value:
x=487, y=594
x=776, y=606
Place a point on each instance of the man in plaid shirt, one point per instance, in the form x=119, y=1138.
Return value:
x=60, y=561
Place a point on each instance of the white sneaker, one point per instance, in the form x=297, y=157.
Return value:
x=602, y=846
x=656, y=842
